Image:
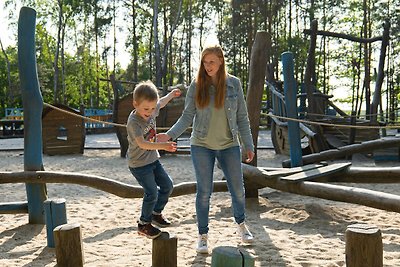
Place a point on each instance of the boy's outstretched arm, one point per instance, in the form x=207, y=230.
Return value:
x=167, y=146
x=165, y=99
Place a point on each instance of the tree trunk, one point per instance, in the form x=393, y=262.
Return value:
x=157, y=49
x=10, y=89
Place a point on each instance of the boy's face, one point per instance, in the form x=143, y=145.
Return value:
x=145, y=108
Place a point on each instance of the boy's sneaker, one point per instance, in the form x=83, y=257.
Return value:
x=148, y=230
x=202, y=244
x=244, y=233
x=160, y=221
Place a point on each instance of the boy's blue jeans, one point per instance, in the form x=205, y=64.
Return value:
x=230, y=162
x=157, y=185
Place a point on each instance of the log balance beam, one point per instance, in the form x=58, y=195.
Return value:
x=101, y=183
x=354, y=195
x=255, y=175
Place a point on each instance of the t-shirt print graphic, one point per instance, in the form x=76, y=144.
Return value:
x=150, y=131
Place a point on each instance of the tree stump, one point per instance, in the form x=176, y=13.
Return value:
x=56, y=214
x=69, y=249
x=231, y=256
x=363, y=246
x=164, y=251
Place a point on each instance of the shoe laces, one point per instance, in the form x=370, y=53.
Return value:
x=203, y=241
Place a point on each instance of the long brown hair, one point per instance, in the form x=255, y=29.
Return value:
x=203, y=81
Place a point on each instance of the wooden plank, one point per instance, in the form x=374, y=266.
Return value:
x=276, y=172
x=314, y=173
x=334, y=141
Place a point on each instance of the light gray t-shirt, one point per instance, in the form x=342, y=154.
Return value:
x=219, y=136
x=137, y=126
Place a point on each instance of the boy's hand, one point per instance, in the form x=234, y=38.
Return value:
x=163, y=137
x=169, y=146
x=176, y=92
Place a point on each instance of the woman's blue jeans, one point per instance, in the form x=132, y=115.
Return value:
x=230, y=162
x=157, y=185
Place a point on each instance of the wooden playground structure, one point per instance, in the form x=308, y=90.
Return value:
x=330, y=133
x=310, y=180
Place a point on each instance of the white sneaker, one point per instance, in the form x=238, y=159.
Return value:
x=202, y=244
x=244, y=233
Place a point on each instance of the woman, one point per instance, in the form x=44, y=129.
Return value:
x=216, y=106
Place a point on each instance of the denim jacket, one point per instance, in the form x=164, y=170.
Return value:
x=235, y=108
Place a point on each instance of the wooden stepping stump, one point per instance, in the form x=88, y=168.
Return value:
x=231, y=256
x=363, y=246
x=69, y=249
x=56, y=214
x=164, y=251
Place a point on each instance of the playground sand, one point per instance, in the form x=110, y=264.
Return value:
x=290, y=230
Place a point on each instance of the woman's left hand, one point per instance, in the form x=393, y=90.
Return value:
x=250, y=155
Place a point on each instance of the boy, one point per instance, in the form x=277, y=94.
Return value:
x=143, y=156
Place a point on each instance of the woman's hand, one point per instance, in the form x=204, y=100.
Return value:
x=163, y=137
x=250, y=155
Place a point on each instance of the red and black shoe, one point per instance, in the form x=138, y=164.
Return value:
x=148, y=230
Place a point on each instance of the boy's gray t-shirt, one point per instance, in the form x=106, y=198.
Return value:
x=137, y=126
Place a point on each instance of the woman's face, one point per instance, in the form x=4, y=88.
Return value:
x=211, y=63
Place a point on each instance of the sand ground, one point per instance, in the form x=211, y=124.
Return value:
x=290, y=230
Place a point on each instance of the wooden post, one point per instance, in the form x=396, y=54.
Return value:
x=258, y=65
x=232, y=257
x=164, y=251
x=291, y=109
x=33, y=103
x=363, y=246
x=69, y=249
x=56, y=215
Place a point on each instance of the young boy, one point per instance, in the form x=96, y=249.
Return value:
x=143, y=156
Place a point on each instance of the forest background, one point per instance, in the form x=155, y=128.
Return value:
x=80, y=43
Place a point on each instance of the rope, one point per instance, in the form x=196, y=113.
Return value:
x=83, y=117
x=269, y=114
x=335, y=125
x=95, y=120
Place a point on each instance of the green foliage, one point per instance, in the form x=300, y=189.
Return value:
x=234, y=22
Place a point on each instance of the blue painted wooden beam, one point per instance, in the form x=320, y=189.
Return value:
x=33, y=105
x=289, y=87
x=14, y=207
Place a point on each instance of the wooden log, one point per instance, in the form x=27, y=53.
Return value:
x=56, y=214
x=331, y=154
x=14, y=207
x=101, y=183
x=363, y=246
x=258, y=64
x=291, y=109
x=369, y=198
x=231, y=256
x=164, y=251
x=69, y=248
x=33, y=104
x=376, y=100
